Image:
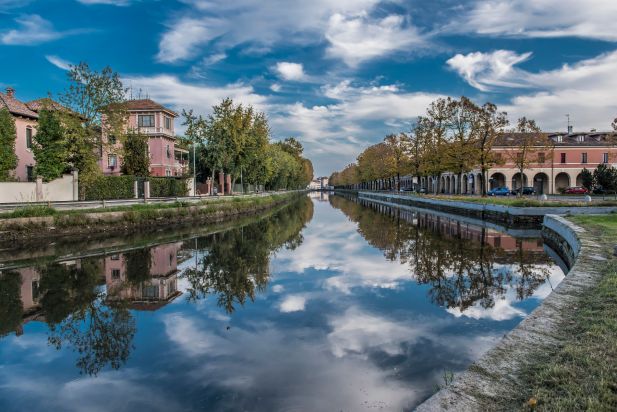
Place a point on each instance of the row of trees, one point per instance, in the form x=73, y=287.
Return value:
x=235, y=139
x=453, y=136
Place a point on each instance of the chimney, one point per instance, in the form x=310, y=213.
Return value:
x=10, y=92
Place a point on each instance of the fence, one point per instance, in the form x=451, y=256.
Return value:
x=63, y=189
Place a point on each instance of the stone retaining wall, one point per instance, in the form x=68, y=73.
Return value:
x=507, y=216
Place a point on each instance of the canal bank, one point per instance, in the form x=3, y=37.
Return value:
x=504, y=215
x=557, y=357
x=46, y=223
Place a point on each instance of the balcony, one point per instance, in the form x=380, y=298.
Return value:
x=155, y=131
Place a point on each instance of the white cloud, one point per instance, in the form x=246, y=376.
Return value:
x=172, y=91
x=585, y=90
x=541, y=18
x=59, y=62
x=357, y=38
x=184, y=39
x=275, y=87
x=33, y=30
x=292, y=303
x=290, y=71
x=484, y=71
x=107, y=2
x=258, y=26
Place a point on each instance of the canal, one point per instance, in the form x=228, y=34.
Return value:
x=326, y=304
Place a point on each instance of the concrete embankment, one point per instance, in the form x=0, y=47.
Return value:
x=507, y=216
x=144, y=218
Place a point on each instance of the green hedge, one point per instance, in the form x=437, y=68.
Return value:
x=168, y=187
x=110, y=187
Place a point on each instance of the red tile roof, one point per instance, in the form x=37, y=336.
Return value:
x=148, y=104
x=16, y=107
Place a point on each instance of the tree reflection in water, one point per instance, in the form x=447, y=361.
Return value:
x=79, y=317
x=237, y=262
x=464, y=264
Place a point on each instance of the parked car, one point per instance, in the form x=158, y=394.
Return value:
x=599, y=190
x=576, y=190
x=527, y=190
x=499, y=191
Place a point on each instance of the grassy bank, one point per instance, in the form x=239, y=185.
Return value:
x=45, y=222
x=582, y=373
x=522, y=201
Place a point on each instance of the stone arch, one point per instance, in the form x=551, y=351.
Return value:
x=464, y=185
x=579, y=179
x=518, y=182
x=562, y=181
x=541, y=183
x=497, y=180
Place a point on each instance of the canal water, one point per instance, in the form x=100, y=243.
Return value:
x=326, y=304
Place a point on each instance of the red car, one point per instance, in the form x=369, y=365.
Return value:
x=577, y=190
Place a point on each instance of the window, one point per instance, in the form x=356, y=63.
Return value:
x=112, y=140
x=30, y=173
x=35, y=290
x=519, y=157
x=563, y=157
x=146, y=120
x=541, y=157
x=167, y=172
x=168, y=123
x=583, y=157
x=581, y=138
x=605, y=158
x=112, y=161
x=559, y=139
x=171, y=260
x=29, y=137
x=168, y=152
x=115, y=274
x=150, y=291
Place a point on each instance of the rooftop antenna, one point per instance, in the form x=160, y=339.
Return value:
x=131, y=92
x=139, y=97
x=569, y=126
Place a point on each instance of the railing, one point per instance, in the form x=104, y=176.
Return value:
x=155, y=130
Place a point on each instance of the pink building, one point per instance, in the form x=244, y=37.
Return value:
x=25, y=127
x=157, y=122
x=161, y=288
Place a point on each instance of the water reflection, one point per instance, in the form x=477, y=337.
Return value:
x=465, y=265
x=86, y=302
x=325, y=304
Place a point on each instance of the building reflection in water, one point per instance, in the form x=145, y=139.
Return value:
x=464, y=264
x=86, y=303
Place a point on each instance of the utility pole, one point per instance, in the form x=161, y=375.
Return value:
x=194, y=172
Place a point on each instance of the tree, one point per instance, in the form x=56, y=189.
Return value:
x=460, y=154
x=49, y=146
x=94, y=95
x=490, y=126
x=587, y=179
x=605, y=177
x=528, y=141
x=8, y=158
x=399, y=164
x=135, y=159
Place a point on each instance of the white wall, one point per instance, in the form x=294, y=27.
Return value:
x=61, y=189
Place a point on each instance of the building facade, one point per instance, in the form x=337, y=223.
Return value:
x=157, y=122
x=552, y=168
x=26, y=121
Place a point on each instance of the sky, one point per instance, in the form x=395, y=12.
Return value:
x=337, y=74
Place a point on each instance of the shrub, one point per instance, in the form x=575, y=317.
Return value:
x=168, y=187
x=110, y=187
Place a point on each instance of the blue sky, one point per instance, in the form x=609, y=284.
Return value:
x=338, y=74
